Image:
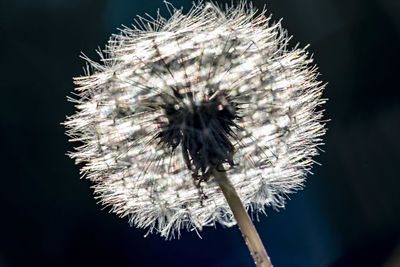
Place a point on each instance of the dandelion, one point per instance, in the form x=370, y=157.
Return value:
x=193, y=120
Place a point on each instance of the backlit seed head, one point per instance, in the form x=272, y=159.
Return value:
x=173, y=99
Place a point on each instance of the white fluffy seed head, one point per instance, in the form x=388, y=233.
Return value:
x=207, y=52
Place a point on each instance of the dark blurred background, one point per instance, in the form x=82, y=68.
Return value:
x=347, y=215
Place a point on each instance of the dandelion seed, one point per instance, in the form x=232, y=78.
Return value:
x=173, y=102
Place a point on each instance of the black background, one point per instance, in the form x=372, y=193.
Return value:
x=347, y=215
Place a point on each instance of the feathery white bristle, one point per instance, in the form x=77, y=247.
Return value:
x=231, y=51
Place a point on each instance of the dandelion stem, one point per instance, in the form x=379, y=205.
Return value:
x=245, y=224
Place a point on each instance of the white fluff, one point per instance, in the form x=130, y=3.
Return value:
x=232, y=50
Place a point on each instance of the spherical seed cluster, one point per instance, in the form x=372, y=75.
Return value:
x=172, y=99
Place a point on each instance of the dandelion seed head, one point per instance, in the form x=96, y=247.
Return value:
x=172, y=99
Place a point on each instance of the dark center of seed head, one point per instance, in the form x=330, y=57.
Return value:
x=203, y=130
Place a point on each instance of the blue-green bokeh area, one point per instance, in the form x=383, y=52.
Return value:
x=347, y=215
